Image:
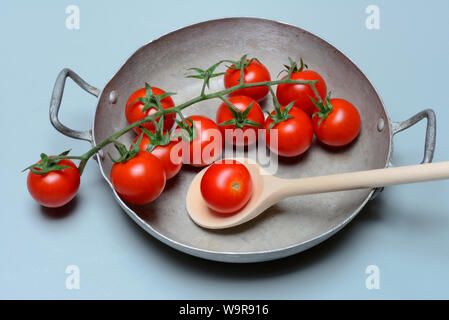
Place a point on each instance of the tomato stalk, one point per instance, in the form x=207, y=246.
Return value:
x=280, y=114
x=50, y=163
x=239, y=118
x=188, y=132
x=126, y=154
x=152, y=100
x=324, y=108
x=293, y=67
x=158, y=138
x=206, y=75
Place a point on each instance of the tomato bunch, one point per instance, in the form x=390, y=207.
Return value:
x=139, y=175
x=302, y=110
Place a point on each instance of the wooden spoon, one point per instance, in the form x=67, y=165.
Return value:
x=269, y=190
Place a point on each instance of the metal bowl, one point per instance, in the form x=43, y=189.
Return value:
x=293, y=225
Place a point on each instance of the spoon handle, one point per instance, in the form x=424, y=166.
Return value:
x=366, y=179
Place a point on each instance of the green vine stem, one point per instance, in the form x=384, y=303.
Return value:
x=177, y=109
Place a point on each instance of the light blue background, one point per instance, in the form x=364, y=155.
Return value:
x=405, y=231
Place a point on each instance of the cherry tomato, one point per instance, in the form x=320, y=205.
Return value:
x=247, y=134
x=226, y=186
x=301, y=93
x=134, y=112
x=207, y=145
x=294, y=134
x=56, y=188
x=139, y=180
x=254, y=72
x=171, y=159
x=340, y=127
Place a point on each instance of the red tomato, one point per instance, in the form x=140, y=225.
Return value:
x=56, y=188
x=134, y=112
x=139, y=180
x=207, y=145
x=248, y=134
x=226, y=186
x=254, y=72
x=171, y=159
x=301, y=93
x=294, y=134
x=340, y=127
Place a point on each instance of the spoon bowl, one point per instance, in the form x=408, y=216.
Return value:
x=205, y=217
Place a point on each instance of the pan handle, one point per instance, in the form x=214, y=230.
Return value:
x=55, y=104
x=429, y=144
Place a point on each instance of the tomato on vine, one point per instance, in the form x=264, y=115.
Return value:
x=240, y=118
x=253, y=71
x=226, y=186
x=146, y=101
x=294, y=134
x=288, y=130
x=163, y=146
x=53, y=183
x=202, y=141
x=138, y=177
x=300, y=94
x=337, y=123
